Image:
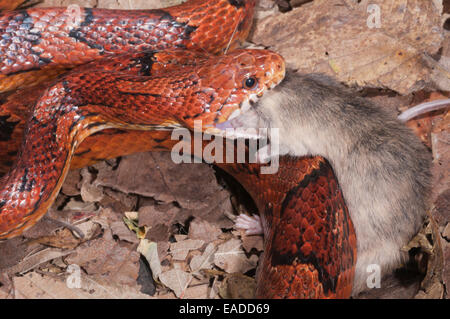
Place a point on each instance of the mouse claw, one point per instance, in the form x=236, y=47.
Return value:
x=251, y=224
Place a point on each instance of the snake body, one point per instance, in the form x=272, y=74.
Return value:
x=310, y=243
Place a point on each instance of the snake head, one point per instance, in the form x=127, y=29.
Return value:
x=234, y=81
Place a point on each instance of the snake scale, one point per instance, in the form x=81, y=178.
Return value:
x=159, y=69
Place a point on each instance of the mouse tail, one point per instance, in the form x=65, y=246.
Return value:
x=422, y=109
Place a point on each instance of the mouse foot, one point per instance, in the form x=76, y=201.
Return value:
x=251, y=224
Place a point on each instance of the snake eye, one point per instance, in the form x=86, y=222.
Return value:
x=250, y=83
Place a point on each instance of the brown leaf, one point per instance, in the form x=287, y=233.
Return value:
x=12, y=252
x=179, y=250
x=440, y=139
x=153, y=215
x=71, y=183
x=177, y=280
x=119, y=229
x=159, y=232
x=154, y=175
x=197, y=292
x=204, y=261
x=34, y=260
x=446, y=270
x=90, y=192
x=252, y=242
x=201, y=229
x=337, y=38
x=37, y=286
x=231, y=258
x=446, y=232
x=441, y=72
x=150, y=251
x=106, y=259
x=63, y=238
x=238, y=286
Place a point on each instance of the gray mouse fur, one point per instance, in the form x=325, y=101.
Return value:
x=381, y=166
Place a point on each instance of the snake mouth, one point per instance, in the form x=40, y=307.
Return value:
x=242, y=119
x=244, y=122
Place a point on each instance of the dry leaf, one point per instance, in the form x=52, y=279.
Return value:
x=238, y=286
x=342, y=39
x=434, y=292
x=446, y=232
x=90, y=192
x=152, y=215
x=70, y=186
x=440, y=140
x=204, y=261
x=39, y=258
x=179, y=250
x=202, y=229
x=180, y=237
x=446, y=270
x=231, y=258
x=150, y=251
x=106, y=259
x=177, y=280
x=119, y=201
x=12, y=252
x=421, y=240
x=253, y=242
x=197, y=292
x=63, y=238
x=119, y=229
x=159, y=232
x=441, y=73
x=76, y=205
x=37, y=286
x=154, y=174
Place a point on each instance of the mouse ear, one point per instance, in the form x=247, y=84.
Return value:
x=422, y=109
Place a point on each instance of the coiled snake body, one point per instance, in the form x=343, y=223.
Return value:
x=310, y=243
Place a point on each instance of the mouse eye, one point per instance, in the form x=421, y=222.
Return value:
x=250, y=83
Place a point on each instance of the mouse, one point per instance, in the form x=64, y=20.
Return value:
x=382, y=167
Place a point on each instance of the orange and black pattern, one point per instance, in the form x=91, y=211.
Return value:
x=310, y=243
x=39, y=43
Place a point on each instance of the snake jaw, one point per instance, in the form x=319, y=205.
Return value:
x=240, y=124
x=245, y=122
x=234, y=96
